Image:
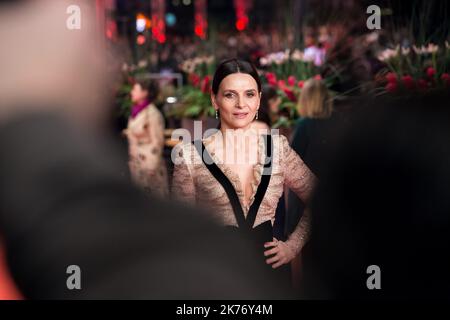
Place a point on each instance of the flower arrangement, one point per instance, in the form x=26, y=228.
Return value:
x=287, y=71
x=415, y=68
x=195, y=101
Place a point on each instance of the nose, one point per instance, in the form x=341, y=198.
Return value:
x=240, y=102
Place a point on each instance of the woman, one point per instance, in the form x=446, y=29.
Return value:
x=145, y=133
x=310, y=138
x=244, y=193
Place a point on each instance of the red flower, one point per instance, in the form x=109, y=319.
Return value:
x=422, y=84
x=408, y=82
x=281, y=84
x=290, y=94
x=318, y=77
x=431, y=72
x=301, y=83
x=131, y=80
x=205, y=85
x=292, y=81
x=194, y=79
x=446, y=78
x=271, y=78
x=391, y=87
x=391, y=77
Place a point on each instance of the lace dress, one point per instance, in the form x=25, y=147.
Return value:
x=193, y=183
x=145, y=135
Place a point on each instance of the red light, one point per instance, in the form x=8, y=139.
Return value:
x=161, y=38
x=140, y=39
x=241, y=24
x=199, y=31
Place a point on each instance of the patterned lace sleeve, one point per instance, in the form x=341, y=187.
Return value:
x=300, y=180
x=183, y=187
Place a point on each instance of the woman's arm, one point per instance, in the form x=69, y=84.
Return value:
x=301, y=181
x=183, y=187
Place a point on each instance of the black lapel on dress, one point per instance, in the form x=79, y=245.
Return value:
x=229, y=188
x=262, y=187
x=223, y=180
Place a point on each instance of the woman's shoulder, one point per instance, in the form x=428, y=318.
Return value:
x=260, y=126
x=302, y=125
x=184, y=152
x=279, y=140
x=303, y=122
x=153, y=110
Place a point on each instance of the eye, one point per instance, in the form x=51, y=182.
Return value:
x=229, y=95
x=250, y=94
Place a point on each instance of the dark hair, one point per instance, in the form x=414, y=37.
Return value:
x=231, y=66
x=268, y=93
x=150, y=86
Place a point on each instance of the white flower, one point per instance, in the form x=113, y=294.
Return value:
x=287, y=53
x=297, y=55
x=388, y=54
x=142, y=64
x=279, y=57
x=263, y=61
x=188, y=66
x=432, y=48
x=197, y=60
x=209, y=59
x=419, y=50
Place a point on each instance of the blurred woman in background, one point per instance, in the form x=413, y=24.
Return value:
x=145, y=133
x=310, y=139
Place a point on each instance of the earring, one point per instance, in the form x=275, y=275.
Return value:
x=217, y=114
x=256, y=115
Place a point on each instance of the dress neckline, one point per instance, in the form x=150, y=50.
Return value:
x=233, y=177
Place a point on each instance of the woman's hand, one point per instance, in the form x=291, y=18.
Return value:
x=280, y=253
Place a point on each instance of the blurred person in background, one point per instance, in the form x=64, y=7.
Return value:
x=145, y=133
x=310, y=141
x=384, y=202
x=62, y=201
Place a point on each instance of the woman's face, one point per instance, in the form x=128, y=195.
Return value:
x=138, y=94
x=274, y=104
x=237, y=101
